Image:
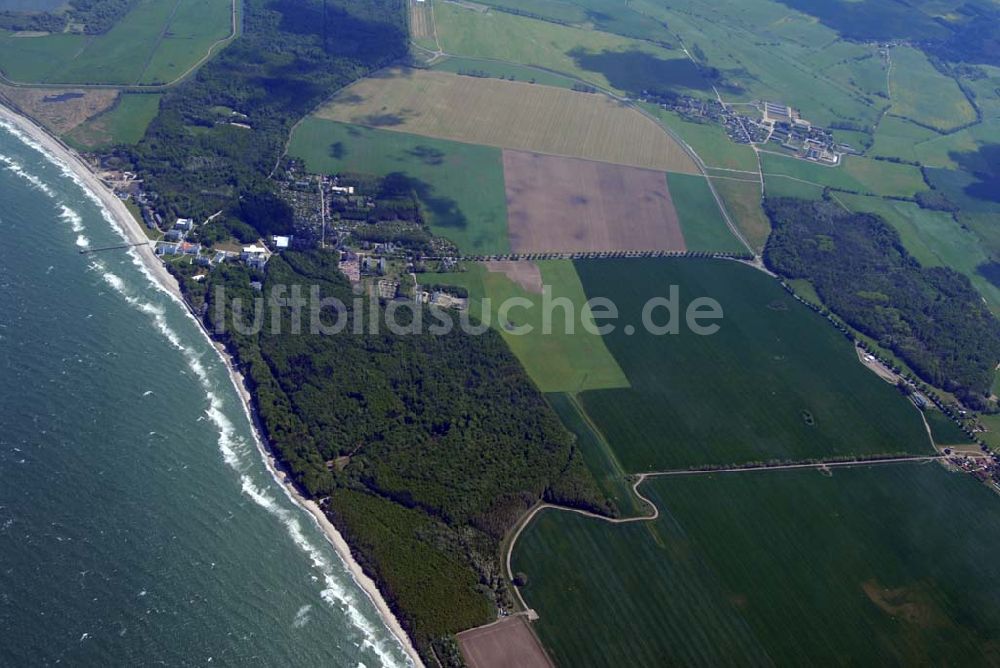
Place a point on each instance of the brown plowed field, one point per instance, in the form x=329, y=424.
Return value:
x=508, y=643
x=569, y=205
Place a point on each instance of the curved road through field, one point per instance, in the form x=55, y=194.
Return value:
x=655, y=514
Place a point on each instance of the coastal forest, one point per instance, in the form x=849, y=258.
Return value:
x=931, y=317
x=291, y=55
x=424, y=448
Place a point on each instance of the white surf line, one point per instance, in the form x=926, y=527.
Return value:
x=123, y=223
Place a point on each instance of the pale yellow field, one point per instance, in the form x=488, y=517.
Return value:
x=508, y=114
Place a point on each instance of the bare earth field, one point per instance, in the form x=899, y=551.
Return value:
x=523, y=272
x=508, y=643
x=509, y=114
x=570, y=205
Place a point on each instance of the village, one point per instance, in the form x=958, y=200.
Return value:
x=761, y=123
x=382, y=243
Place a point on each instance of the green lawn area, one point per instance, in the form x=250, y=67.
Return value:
x=934, y=238
x=925, y=95
x=855, y=173
x=155, y=42
x=557, y=361
x=880, y=565
x=702, y=223
x=124, y=123
x=607, y=60
x=776, y=382
x=460, y=185
x=709, y=141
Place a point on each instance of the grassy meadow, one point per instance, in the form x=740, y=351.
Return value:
x=701, y=221
x=921, y=93
x=556, y=362
x=880, y=565
x=610, y=61
x=776, y=382
x=460, y=185
x=154, y=43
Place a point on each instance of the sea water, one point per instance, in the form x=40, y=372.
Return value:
x=138, y=521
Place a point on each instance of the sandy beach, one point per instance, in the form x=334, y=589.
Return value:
x=133, y=231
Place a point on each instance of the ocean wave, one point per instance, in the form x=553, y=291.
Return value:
x=17, y=168
x=72, y=217
x=230, y=444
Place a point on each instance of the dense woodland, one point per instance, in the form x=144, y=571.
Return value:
x=291, y=56
x=428, y=446
x=931, y=317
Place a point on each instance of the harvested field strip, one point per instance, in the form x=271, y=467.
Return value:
x=559, y=204
x=509, y=114
x=421, y=23
x=756, y=569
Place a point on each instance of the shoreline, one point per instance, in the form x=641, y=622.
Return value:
x=133, y=232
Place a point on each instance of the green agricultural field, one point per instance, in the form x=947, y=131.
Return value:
x=702, y=223
x=776, y=185
x=934, y=238
x=508, y=71
x=558, y=361
x=154, y=43
x=124, y=123
x=921, y=93
x=708, y=140
x=606, y=60
x=460, y=185
x=742, y=200
x=855, y=174
x=879, y=565
x=776, y=382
